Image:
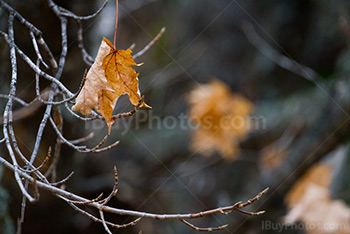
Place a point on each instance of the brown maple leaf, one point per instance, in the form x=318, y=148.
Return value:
x=310, y=202
x=214, y=109
x=110, y=77
x=319, y=174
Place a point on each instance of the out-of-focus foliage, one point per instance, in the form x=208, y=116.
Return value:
x=221, y=119
x=310, y=202
x=319, y=175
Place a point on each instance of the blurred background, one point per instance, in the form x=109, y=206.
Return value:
x=287, y=60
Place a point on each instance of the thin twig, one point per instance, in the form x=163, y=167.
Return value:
x=20, y=101
x=58, y=119
x=36, y=190
x=47, y=158
x=37, y=90
x=64, y=180
x=149, y=45
x=209, y=229
x=83, y=139
x=277, y=57
x=104, y=222
x=97, y=199
x=7, y=116
x=78, y=116
x=36, y=48
x=69, y=14
x=254, y=199
x=114, y=190
x=83, y=149
x=118, y=226
x=87, y=58
x=130, y=113
x=28, y=109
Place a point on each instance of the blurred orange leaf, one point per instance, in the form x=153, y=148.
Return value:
x=272, y=157
x=320, y=175
x=320, y=214
x=110, y=77
x=310, y=202
x=221, y=119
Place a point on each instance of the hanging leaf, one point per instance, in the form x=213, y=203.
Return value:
x=110, y=77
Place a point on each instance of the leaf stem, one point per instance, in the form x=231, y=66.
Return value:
x=116, y=25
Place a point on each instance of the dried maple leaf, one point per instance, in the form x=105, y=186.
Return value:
x=221, y=118
x=110, y=77
x=320, y=213
x=319, y=174
x=310, y=202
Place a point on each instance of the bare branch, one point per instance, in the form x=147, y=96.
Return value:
x=7, y=116
x=36, y=69
x=36, y=48
x=277, y=57
x=132, y=223
x=149, y=45
x=77, y=116
x=83, y=149
x=130, y=113
x=87, y=58
x=114, y=190
x=254, y=199
x=20, y=101
x=58, y=119
x=64, y=180
x=41, y=165
x=104, y=222
x=83, y=139
x=37, y=90
x=69, y=14
x=210, y=229
x=33, y=29
x=28, y=109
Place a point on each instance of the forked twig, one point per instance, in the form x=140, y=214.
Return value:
x=39, y=96
x=113, y=225
x=47, y=158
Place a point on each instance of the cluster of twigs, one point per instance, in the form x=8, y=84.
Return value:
x=25, y=172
